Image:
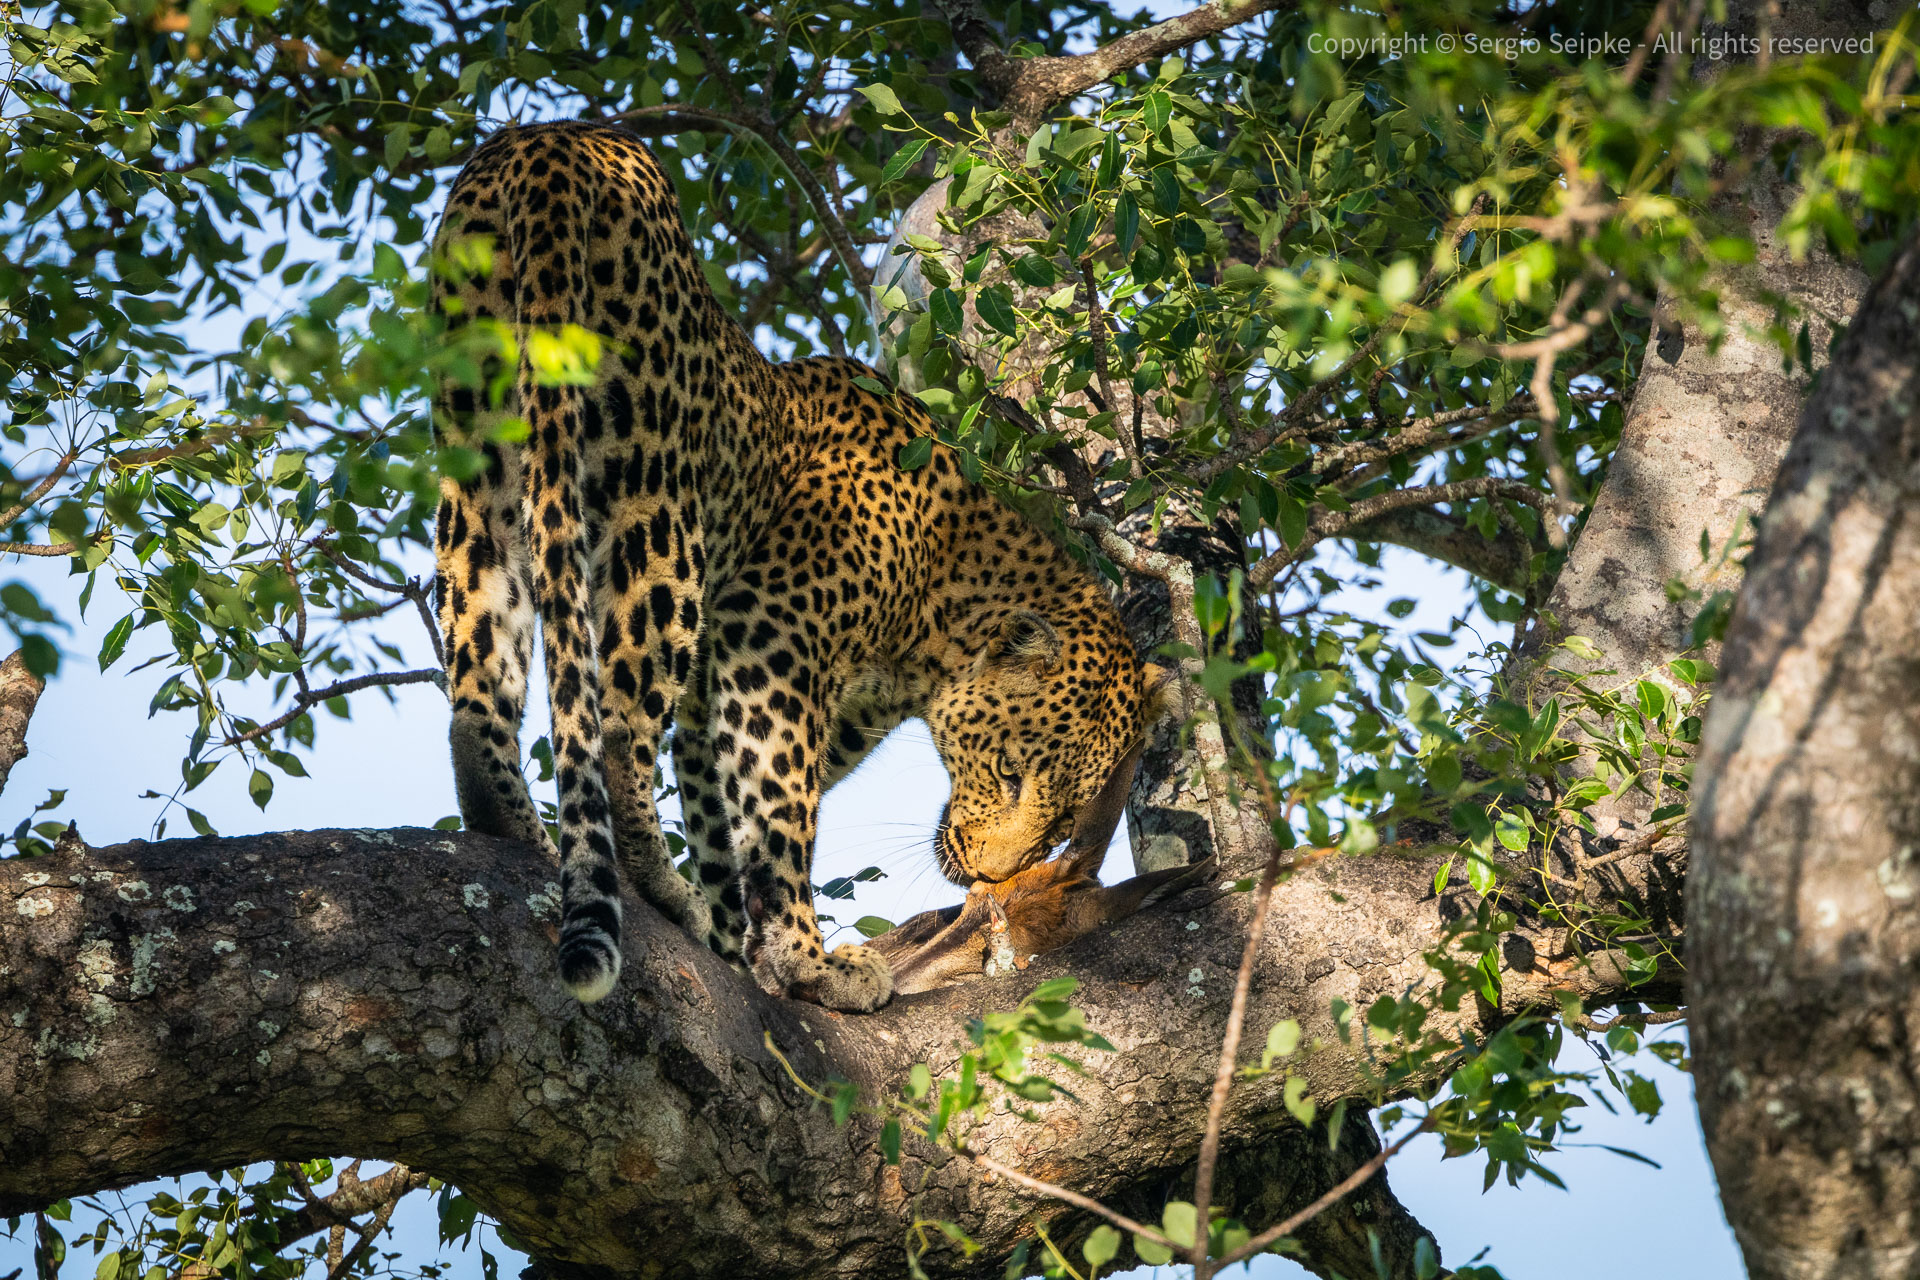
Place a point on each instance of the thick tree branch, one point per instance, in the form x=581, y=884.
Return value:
x=197, y=1004
x=1028, y=87
x=1325, y=524
x=1502, y=561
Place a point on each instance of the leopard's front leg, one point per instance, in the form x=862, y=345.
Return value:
x=766, y=738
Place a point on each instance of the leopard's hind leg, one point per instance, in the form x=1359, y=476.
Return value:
x=487, y=621
x=647, y=625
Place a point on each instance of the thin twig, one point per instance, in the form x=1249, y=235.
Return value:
x=1650, y=1019
x=314, y=697
x=38, y=491
x=1229, y=1060
x=1097, y=331
x=1638, y=845
x=1073, y=1198
x=412, y=589
x=1351, y=1182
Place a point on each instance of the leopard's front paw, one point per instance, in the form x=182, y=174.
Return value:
x=851, y=978
x=858, y=979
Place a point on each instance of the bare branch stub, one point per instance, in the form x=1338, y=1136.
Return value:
x=20, y=692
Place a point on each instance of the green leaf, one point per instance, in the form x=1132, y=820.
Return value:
x=1472, y=819
x=1126, y=223
x=1109, y=171
x=883, y=99
x=1166, y=190
x=1480, y=873
x=1512, y=831
x=995, y=306
x=903, y=159
x=1282, y=1039
x=1398, y=282
x=1033, y=270
x=1341, y=112
x=873, y=926
x=38, y=653
x=916, y=453
x=1151, y=1252
x=944, y=305
x=890, y=1142
x=1100, y=1246
x=1080, y=229
x=1298, y=1104
x=1177, y=1222
x=260, y=787
x=457, y=1216
x=1440, y=877
x=1156, y=110
x=1644, y=1094
x=1054, y=989
x=1653, y=700
x=1545, y=724
x=1582, y=648
x=1293, y=521
x=396, y=145
x=115, y=643
x=919, y=1081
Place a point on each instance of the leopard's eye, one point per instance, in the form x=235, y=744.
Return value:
x=1004, y=766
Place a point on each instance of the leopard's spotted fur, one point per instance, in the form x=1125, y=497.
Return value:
x=729, y=544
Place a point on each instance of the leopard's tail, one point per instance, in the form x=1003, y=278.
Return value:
x=549, y=248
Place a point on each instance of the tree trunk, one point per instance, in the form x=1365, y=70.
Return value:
x=1803, y=898
x=198, y=1004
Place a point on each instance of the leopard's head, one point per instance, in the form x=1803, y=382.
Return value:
x=1040, y=737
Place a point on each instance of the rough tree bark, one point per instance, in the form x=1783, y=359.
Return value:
x=202, y=1003
x=1802, y=908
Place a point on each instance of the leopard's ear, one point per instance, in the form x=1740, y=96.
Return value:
x=1024, y=638
x=1158, y=697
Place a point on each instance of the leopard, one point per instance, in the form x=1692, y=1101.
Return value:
x=730, y=547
